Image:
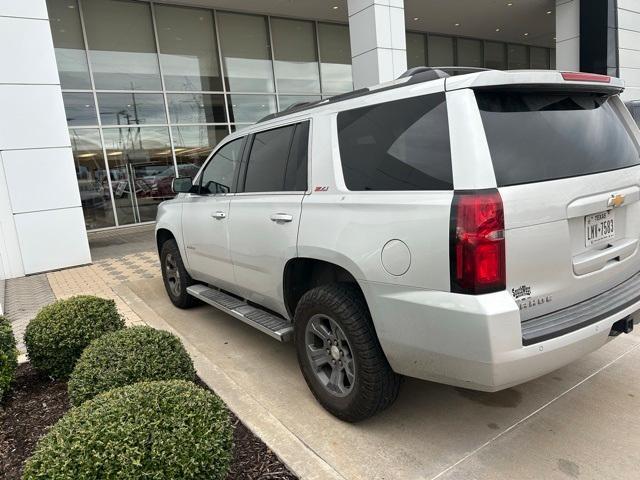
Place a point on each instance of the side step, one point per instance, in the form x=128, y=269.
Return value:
x=266, y=322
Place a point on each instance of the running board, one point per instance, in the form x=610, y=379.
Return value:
x=266, y=322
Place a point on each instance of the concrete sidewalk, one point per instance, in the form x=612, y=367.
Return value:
x=578, y=422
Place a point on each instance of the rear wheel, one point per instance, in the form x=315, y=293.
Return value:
x=175, y=276
x=340, y=355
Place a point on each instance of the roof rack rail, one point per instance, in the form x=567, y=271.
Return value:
x=413, y=75
x=449, y=71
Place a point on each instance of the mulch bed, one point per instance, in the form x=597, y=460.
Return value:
x=36, y=402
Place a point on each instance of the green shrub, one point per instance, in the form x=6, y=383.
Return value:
x=8, y=355
x=128, y=356
x=59, y=333
x=156, y=430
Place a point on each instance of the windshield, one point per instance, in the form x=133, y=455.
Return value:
x=540, y=136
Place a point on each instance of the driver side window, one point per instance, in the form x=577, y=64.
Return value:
x=219, y=174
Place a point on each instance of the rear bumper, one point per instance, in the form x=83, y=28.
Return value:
x=473, y=341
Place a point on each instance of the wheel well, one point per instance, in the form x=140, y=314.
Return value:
x=162, y=236
x=303, y=274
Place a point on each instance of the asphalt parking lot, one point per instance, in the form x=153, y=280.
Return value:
x=578, y=422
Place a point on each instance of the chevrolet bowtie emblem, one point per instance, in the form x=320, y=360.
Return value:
x=616, y=201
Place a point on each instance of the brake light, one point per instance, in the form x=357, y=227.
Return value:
x=585, y=77
x=477, y=247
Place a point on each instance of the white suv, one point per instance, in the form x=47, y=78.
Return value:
x=476, y=229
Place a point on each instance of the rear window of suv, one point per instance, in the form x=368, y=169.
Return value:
x=398, y=145
x=541, y=136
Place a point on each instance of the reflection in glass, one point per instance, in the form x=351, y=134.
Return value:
x=287, y=101
x=92, y=178
x=188, y=48
x=196, y=108
x=245, y=49
x=416, y=50
x=131, y=108
x=518, y=57
x=335, y=57
x=495, y=55
x=469, y=52
x=193, y=144
x=122, y=47
x=539, y=58
x=69, y=45
x=440, y=51
x=80, y=109
x=295, y=56
x=250, y=108
x=140, y=162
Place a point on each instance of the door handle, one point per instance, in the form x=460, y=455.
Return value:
x=281, y=217
x=219, y=215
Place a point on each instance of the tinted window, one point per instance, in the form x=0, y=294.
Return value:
x=296, y=176
x=219, y=174
x=536, y=136
x=400, y=145
x=268, y=160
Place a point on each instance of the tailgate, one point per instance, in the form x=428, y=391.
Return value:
x=567, y=167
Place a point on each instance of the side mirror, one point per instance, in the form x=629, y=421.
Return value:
x=182, y=185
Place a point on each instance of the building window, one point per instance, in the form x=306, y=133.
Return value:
x=416, y=50
x=539, y=58
x=121, y=43
x=440, y=51
x=196, y=108
x=141, y=169
x=295, y=54
x=335, y=58
x=518, y=57
x=188, y=48
x=80, y=109
x=93, y=180
x=71, y=56
x=246, y=52
x=131, y=108
x=192, y=145
x=470, y=52
x=495, y=55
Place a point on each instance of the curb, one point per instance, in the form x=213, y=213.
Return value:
x=292, y=451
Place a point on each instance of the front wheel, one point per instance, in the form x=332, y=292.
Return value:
x=175, y=276
x=340, y=355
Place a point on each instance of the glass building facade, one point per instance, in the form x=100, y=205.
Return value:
x=150, y=88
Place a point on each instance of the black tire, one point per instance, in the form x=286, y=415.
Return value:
x=177, y=291
x=375, y=385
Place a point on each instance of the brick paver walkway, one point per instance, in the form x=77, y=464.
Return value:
x=119, y=256
x=24, y=297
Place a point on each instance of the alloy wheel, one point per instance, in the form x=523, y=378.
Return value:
x=330, y=355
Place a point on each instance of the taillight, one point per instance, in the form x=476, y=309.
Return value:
x=477, y=253
x=585, y=77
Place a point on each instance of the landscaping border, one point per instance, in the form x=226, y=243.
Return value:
x=292, y=451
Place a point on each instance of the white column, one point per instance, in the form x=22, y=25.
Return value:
x=568, y=35
x=41, y=223
x=378, y=43
x=629, y=47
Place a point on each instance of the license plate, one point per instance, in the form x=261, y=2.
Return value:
x=599, y=227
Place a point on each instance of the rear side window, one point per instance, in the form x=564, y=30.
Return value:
x=399, y=145
x=540, y=136
x=268, y=160
x=296, y=175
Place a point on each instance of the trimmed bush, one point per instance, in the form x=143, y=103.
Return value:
x=59, y=333
x=156, y=430
x=8, y=356
x=128, y=356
